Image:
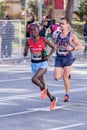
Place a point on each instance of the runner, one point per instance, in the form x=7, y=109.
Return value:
x=64, y=59
x=39, y=61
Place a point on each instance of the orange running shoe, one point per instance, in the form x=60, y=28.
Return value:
x=66, y=98
x=53, y=103
x=43, y=93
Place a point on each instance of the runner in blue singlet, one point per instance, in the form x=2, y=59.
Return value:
x=64, y=59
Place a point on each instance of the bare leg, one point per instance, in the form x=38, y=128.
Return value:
x=39, y=81
x=67, y=70
x=42, y=82
x=58, y=73
x=35, y=78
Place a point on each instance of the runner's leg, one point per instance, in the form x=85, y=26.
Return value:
x=67, y=70
x=37, y=75
x=43, y=83
x=58, y=73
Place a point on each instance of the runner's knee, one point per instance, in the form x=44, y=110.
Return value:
x=34, y=79
x=65, y=78
x=57, y=77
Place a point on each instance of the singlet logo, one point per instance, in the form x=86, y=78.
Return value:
x=62, y=44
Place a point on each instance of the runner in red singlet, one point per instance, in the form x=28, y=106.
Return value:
x=39, y=64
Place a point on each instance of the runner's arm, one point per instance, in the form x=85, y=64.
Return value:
x=74, y=43
x=26, y=48
x=47, y=42
x=75, y=40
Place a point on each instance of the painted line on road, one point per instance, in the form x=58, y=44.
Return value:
x=68, y=126
x=17, y=113
x=11, y=80
x=38, y=94
x=42, y=109
x=30, y=111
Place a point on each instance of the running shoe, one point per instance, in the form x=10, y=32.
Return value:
x=66, y=98
x=43, y=93
x=53, y=103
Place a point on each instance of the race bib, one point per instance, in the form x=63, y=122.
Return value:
x=62, y=50
x=36, y=56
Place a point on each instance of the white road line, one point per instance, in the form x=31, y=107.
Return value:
x=11, y=80
x=38, y=94
x=29, y=111
x=19, y=97
x=68, y=126
x=17, y=113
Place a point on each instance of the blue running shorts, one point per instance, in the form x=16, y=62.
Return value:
x=36, y=66
x=62, y=61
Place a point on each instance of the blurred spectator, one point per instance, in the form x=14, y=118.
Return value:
x=55, y=33
x=85, y=35
x=43, y=27
x=48, y=34
x=7, y=37
x=54, y=25
x=49, y=21
x=1, y=29
x=28, y=26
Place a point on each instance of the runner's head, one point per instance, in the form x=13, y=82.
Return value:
x=34, y=30
x=64, y=24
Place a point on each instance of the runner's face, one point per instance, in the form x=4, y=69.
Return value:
x=34, y=31
x=63, y=24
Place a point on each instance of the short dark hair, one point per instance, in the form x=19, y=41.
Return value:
x=35, y=25
x=64, y=18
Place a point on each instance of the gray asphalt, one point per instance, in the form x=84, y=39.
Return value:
x=22, y=109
